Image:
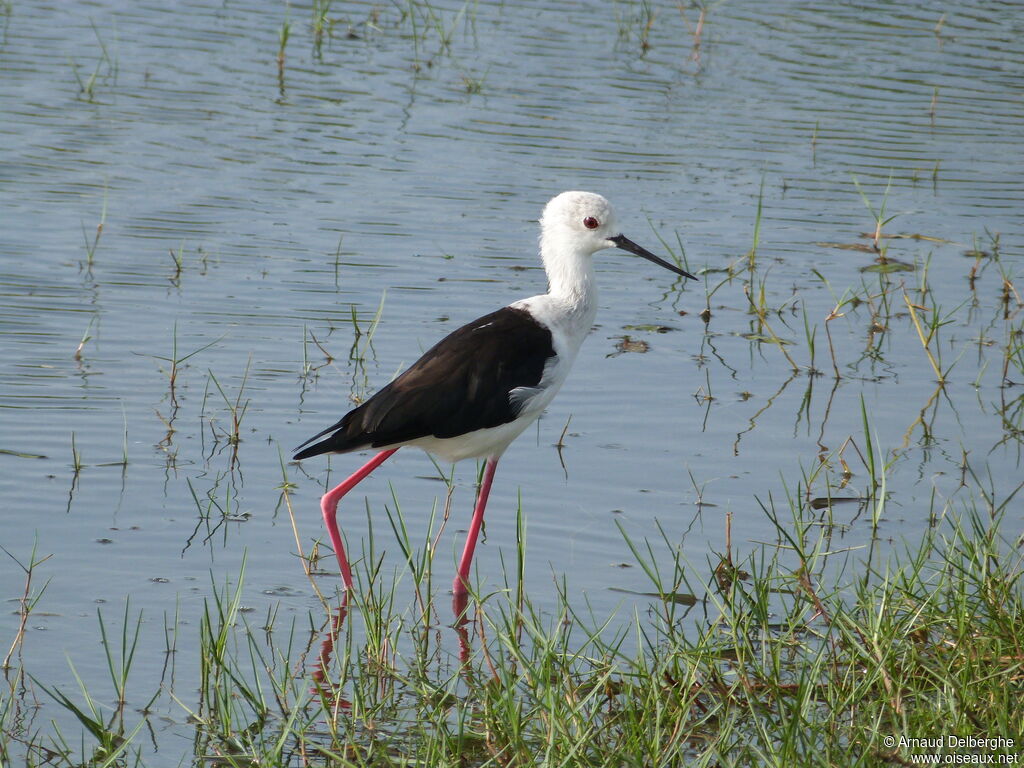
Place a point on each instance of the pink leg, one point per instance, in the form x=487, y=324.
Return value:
x=462, y=580
x=329, y=506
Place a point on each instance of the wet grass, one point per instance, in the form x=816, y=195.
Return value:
x=321, y=25
x=104, y=71
x=797, y=652
x=26, y=603
x=93, y=244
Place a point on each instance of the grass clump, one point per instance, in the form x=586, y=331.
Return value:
x=781, y=657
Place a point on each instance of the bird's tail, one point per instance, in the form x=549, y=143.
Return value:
x=314, y=450
x=338, y=442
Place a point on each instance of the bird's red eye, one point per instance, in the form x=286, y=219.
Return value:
x=591, y=223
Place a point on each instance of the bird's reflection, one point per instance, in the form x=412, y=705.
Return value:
x=321, y=679
x=462, y=623
x=460, y=605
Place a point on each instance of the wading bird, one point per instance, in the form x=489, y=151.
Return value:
x=475, y=391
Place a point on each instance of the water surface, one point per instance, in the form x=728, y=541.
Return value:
x=387, y=171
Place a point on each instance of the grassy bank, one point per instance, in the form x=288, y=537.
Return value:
x=796, y=653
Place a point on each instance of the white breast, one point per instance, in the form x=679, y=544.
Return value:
x=569, y=324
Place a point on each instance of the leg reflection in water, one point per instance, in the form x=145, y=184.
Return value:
x=321, y=667
x=321, y=679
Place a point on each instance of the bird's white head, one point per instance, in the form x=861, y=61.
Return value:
x=573, y=227
x=577, y=222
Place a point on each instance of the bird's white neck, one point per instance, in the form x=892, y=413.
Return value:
x=571, y=281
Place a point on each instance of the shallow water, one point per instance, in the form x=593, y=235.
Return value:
x=389, y=171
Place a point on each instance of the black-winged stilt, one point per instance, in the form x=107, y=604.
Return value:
x=475, y=391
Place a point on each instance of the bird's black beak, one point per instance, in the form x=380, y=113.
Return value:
x=623, y=242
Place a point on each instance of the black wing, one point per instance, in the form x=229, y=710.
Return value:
x=460, y=385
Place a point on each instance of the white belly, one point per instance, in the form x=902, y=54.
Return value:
x=483, y=443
